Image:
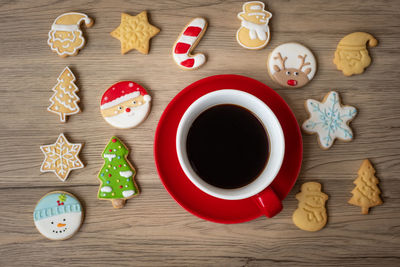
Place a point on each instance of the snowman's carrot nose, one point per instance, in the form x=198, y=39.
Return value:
x=61, y=224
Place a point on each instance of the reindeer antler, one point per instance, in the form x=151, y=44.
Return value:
x=302, y=61
x=282, y=60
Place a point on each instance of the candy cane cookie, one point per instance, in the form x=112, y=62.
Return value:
x=186, y=42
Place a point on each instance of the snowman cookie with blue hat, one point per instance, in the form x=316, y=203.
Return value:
x=58, y=215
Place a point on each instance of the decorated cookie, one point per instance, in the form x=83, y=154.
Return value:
x=351, y=55
x=292, y=65
x=366, y=193
x=65, y=36
x=64, y=101
x=58, y=215
x=186, y=42
x=311, y=213
x=117, y=174
x=135, y=32
x=61, y=157
x=125, y=105
x=329, y=120
x=254, y=31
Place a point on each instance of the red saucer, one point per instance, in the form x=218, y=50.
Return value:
x=181, y=188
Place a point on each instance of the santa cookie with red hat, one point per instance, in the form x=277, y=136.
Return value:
x=125, y=105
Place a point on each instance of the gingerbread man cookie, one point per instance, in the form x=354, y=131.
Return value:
x=65, y=36
x=329, y=120
x=292, y=65
x=311, y=213
x=351, y=55
x=254, y=31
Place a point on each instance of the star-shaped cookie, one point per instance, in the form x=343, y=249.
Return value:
x=135, y=32
x=329, y=119
x=61, y=157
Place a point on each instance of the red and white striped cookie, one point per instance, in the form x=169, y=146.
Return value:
x=186, y=42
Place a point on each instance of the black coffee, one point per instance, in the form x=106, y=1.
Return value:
x=227, y=146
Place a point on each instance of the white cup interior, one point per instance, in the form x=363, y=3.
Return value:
x=266, y=117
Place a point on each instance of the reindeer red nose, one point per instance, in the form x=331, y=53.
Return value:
x=128, y=110
x=292, y=82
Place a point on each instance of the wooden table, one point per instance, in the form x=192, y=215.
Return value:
x=153, y=230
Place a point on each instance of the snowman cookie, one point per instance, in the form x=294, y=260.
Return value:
x=58, y=215
x=254, y=31
x=291, y=65
x=125, y=105
x=311, y=214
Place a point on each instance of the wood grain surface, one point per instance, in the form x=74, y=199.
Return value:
x=153, y=230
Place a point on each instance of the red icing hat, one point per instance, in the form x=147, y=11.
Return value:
x=121, y=92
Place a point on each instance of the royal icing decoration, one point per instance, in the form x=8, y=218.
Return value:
x=64, y=101
x=351, y=55
x=186, y=42
x=329, y=120
x=58, y=215
x=125, y=105
x=65, y=36
x=311, y=214
x=366, y=192
x=292, y=65
x=61, y=157
x=254, y=31
x=135, y=32
x=117, y=176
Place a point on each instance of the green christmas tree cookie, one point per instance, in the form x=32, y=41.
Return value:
x=117, y=174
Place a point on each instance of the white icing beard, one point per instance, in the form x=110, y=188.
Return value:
x=66, y=42
x=48, y=226
x=130, y=119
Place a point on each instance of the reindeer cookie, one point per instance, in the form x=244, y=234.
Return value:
x=311, y=213
x=254, y=31
x=292, y=65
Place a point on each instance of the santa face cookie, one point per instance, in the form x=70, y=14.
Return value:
x=254, y=31
x=351, y=55
x=58, y=215
x=125, y=105
x=65, y=36
x=292, y=65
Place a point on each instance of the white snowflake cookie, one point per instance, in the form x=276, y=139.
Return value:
x=329, y=119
